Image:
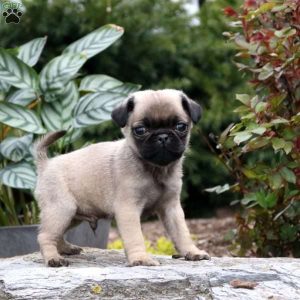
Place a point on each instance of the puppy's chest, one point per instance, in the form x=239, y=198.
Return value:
x=154, y=193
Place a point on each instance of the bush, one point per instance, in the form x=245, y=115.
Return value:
x=262, y=151
x=58, y=98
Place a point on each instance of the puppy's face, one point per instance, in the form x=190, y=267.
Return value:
x=157, y=124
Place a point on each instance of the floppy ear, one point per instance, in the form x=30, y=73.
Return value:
x=192, y=108
x=121, y=113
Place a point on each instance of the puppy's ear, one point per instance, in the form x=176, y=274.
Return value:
x=121, y=113
x=192, y=108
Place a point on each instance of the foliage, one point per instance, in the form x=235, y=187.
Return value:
x=57, y=98
x=262, y=151
x=162, y=48
x=163, y=246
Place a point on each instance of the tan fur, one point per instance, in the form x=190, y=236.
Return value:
x=109, y=180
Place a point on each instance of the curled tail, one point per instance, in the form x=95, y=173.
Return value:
x=41, y=146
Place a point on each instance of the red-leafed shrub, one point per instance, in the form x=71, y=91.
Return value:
x=262, y=151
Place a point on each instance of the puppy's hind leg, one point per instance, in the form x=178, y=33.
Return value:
x=67, y=248
x=56, y=216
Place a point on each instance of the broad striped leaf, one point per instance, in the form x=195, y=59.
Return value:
x=20, y=117
x=96, y=41
x=4, y=87
x=16, y=148
x=15, y=72
x=99, y=83
x=94, y=83
x=126, y=88
x=59, y=71
x=95, y=108
x=22, y=97
x=57, y=115
x=20, y=176
x=31, y=51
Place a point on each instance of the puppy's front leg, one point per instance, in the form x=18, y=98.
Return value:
x=172, y=216
x=129, y=225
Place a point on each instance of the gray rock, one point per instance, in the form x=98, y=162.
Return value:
x=103, y=274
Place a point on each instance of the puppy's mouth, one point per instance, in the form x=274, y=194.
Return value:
x=162, y=149
x=163, y=157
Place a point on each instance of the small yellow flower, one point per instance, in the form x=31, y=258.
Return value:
x=96, y=289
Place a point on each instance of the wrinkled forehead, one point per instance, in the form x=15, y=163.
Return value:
x=157, y=106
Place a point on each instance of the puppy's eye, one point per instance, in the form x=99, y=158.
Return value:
x=141, y=130
x=181, y=127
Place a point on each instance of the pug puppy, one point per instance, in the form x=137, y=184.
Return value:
x=140, y=174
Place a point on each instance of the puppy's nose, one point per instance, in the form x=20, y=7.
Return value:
x=162, y=138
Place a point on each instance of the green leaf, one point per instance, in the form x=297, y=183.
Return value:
x=266, y=71
x=288, y=147
x=14, y=148
x=289, y=133
x=97, y=83
x=248, y=198
x=22, y=97
x=248, y=116
x=20, y=117
x=242, y=137
x=20, y=175
x=259, y=130
x=4, y=87
x=261, y=106
x=266, y=200
x=60, y=71
x=279, y=7
x=296, y=118
x=288, y=232
x=256, y=143
x=278, y=143
x=96, y=41
x=103, y=83
x=277, y=100
x=225, y=133
x=285, y=32
x=15, y=72
x=31, y=51
x=263, y=8
x=254, y=101
x=279, y=121
x=293, y=164
x=57, y=115
x=95, y=108
x=242, y=109
x=275, y=181
x=244, y=98
x=249, y=173
x=288, y=175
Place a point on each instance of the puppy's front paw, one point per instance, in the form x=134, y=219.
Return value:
x=57, y=262
x=199, y=255
x=147, y=261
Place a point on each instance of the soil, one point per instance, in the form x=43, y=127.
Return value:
x=208, y=234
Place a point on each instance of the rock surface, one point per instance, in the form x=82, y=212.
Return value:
x=102, y=274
